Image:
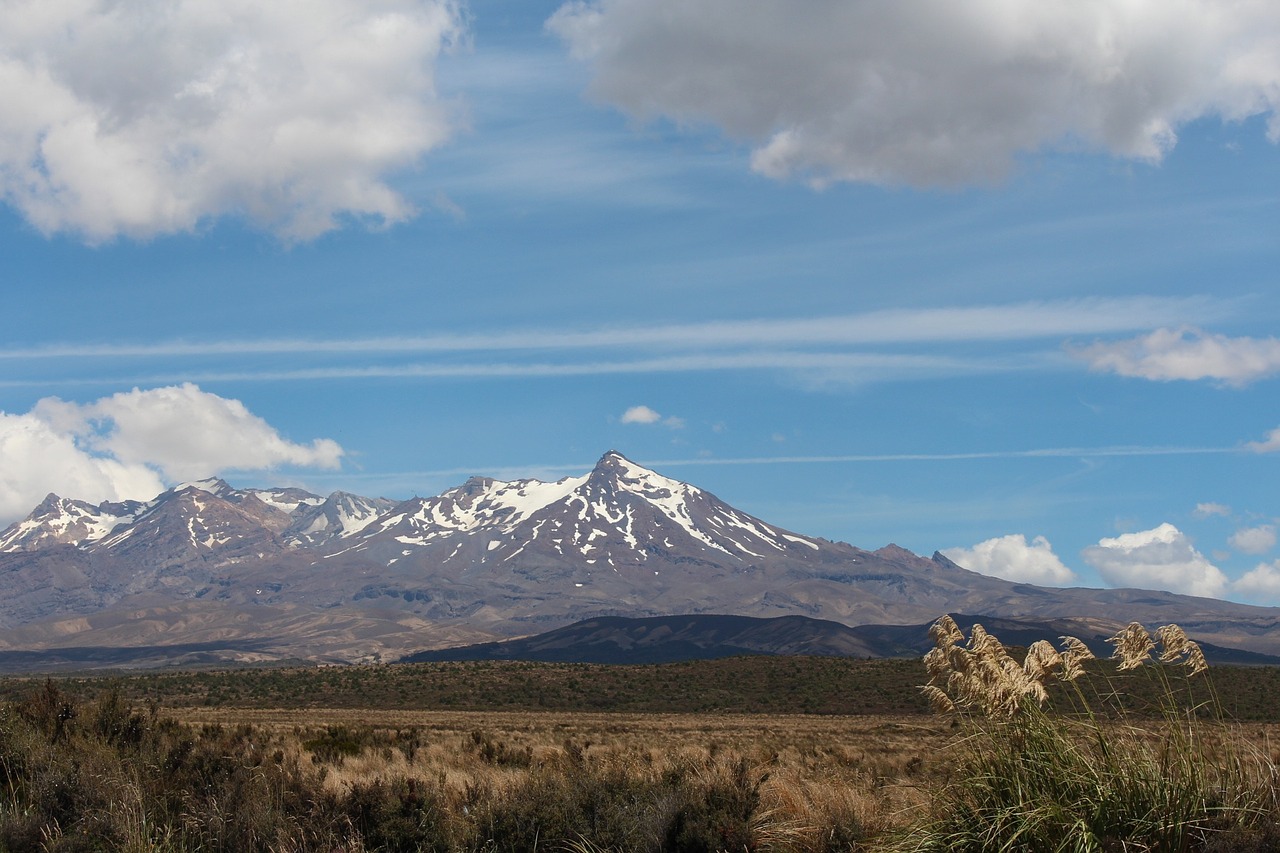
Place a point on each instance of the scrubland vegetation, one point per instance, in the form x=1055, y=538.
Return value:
x=104, y=776
x=767, y=685
x=1045, y=751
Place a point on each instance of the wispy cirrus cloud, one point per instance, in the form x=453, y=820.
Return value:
x=851, y=458
x=816, y=368
x=1005, y=322
x=836, y=351
x=1270, y=444
x=827, y=351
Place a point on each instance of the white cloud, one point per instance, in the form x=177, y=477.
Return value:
x=640, y=415
x=1254, y=540
x=1270, y=444
x=126, y=446
x=1260, y=585
x=1187, y=353
x=817, y=352
x=999, y=322
x=646, y=415
x=185, y=433
x=151, y=118
x=1208, y=510
x=1162, y=558
x=36, y=458
x=930, y=92
x=1011, y=558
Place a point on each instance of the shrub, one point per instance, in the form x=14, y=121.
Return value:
x=401, y=816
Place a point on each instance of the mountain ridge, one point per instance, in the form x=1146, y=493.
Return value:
x=345, y=577
x=667, y=639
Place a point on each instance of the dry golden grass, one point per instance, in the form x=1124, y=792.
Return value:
x=817, y=776
x=1093, y=776
x=371, y=779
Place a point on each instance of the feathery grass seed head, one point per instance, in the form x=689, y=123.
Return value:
x=1042, y=658
x=1133, y=646
x=937, y=663
x=1074, y=654
x=945, y=632
x=1195, y=658
x=1173, y=642
x=938, y=699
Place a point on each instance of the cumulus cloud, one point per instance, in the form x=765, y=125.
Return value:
x=1254, y=540
x=127, y=445
x=1260, y=585
x=1208, y=510
x=36, y=458
x=1186, y=353
x=1012, y=558
x=1162, y=558
x=150, y=118
x=646, y=415
x=640, y=415
x=930, y=92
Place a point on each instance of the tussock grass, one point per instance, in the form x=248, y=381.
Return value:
x=1088, y=778
x=104, y=775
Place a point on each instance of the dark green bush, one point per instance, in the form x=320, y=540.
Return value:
x=553, y=808
x=401, y=816
x=718, y=817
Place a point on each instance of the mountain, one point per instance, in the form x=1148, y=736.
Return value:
x=61, y=521
x=283, y=573
x=665, y=639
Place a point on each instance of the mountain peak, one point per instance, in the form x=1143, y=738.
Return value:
x=614, y=466
x=50, y=501
x=475, y=486
x=613, y=461
x=213, y=485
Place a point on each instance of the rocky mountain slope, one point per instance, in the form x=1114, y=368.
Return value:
x=272, y=573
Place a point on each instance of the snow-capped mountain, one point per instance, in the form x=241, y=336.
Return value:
x=64, y=521
x=618, y=516
x=336, y=517
x=283, y=572
x=202, y=517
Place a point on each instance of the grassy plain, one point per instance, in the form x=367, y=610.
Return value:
x=755, y=754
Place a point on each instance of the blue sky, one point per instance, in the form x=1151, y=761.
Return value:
x=1000, y=282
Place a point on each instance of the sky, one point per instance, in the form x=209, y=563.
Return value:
x=997, y=278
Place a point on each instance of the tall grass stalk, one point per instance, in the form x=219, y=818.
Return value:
x=1088, y=778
